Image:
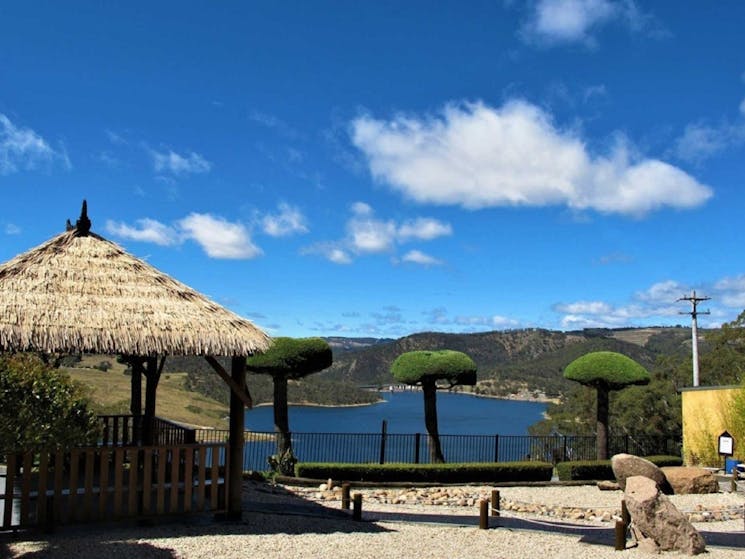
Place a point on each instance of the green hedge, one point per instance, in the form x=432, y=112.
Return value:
x=601, y=469
x=428, y=473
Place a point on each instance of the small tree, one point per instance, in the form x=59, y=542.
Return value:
x=425, y=369
x=605, y=371
x=41, y=407
x=288, y=358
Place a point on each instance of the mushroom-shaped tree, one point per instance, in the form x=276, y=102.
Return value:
x=425, y=369
x=605, y=371
x=288, y=358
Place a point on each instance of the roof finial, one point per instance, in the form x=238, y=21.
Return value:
x=83, y=225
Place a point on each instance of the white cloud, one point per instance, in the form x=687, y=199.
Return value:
x=659, y=302
x=146, y=230
x=418, y=257
x=568, y=20
x=731, y=291
x=742, y=107
x=423, y=228
x=477, y=156
x=288, y=221
x=23, y=149
x=219, y=238
x=701, y=141
x=367, y=234
x=584, y=307
x=571, y=21
x=329, y=251
x=12, y=229
x=174, y=163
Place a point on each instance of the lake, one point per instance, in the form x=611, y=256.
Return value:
x=458, y=414
x=468, y=425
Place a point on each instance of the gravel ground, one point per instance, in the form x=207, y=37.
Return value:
x=278, y=523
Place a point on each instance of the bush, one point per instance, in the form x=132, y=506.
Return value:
x=41, y=407
x=601, y=469
x=429, y=473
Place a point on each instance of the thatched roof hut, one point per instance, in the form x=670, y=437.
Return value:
x=79, y=292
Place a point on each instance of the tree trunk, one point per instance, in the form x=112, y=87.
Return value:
x=602, y=425
x=281, y=418
x=429, y=389
x=152, y=374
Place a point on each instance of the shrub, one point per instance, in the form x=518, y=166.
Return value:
x=489, y=472
x=41, y=407
x=601, y=469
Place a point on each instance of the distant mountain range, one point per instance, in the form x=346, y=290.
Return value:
x=521, y=364
x=514, y=363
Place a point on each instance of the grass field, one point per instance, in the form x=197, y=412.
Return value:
x=110, y=393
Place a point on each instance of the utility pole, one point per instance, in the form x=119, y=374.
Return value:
x=694, y=329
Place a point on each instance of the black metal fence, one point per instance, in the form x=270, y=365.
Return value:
x=414, y=448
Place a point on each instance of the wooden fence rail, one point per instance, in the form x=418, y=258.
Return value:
x=123, y=430
x=46, y=488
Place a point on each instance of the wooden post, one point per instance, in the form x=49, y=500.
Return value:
x=495, y=502
x=620, y=535
x=733, y=483
x=357, y=511
x=625, y=515
x=345, y=495
x=483, y=514
x=235, y=442
x=383, y=437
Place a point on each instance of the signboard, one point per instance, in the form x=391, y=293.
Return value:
x=726, y=444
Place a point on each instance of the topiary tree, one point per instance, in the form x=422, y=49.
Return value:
x=288, y=358
x=605, y=371
x=425, y=369
x=41, y=407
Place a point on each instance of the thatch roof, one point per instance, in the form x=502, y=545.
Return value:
x=79, y=292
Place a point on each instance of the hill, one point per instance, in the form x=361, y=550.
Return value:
x=515, y=363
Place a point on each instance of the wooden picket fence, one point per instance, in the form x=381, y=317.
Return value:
x=48, y=488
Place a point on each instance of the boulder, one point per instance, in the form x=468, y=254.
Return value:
x=654, y=517
x=627, y=465
x=685, y=480
x=608, y=485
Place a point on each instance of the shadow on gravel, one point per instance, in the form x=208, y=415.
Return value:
x=93, y=548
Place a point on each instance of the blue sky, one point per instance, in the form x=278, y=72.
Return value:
x=383, y=168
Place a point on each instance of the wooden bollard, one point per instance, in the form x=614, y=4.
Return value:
x=345, y=496
x=620, y=535
x=357, y=511
x=625, y=515
x=733, y=483
x=495, y=502
x=483, y=514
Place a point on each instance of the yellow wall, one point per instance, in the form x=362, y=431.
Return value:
x=704, y=419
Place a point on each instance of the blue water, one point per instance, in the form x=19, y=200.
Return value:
x=458, y=414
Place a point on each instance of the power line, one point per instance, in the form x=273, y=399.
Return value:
x=694, y=300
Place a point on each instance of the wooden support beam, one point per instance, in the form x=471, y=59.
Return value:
x=241, y=392
x=236, y=440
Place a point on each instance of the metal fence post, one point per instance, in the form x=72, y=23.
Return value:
x=496, y=448
x=417, y=443
x=383, y=437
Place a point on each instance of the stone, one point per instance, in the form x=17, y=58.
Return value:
x=627, y=465
x=690, y=480
x=608, y=485
x=656, y=518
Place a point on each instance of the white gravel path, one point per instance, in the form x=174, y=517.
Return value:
x=284, y=534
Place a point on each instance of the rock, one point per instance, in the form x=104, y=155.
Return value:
x=656, y=518
x=607, y=485
x=627, y=465
x=687, y=480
